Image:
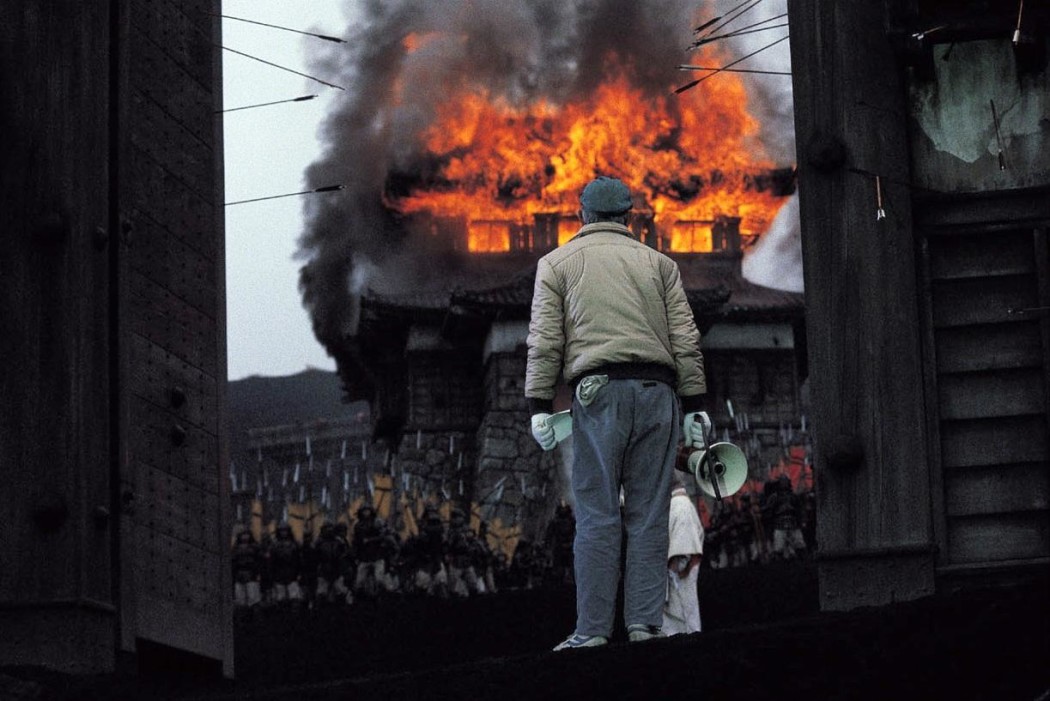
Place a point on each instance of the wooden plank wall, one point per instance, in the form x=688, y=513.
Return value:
x=991, y=389
x=56, y=599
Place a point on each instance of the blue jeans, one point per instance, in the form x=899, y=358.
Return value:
x=628, y=436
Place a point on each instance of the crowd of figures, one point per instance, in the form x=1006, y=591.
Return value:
x=369, y=560
x=342, y=565
x=767, y=525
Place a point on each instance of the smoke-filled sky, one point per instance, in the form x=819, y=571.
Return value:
x=267, y=151
x=395, y=84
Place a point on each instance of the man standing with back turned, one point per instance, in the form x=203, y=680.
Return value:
x=610, y=314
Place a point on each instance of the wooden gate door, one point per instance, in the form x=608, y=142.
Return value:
x=173, y=538
x=56, y=590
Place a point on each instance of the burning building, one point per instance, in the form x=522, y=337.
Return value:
x=462, y=146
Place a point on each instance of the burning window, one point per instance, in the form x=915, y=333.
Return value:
x=721, y=234
x=499, y=236
x=488, y=236
x=692, y=237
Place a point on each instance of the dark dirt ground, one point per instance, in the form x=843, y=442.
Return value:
x=763, y=638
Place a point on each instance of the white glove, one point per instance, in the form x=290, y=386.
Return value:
x=543, y=432
x=696, y=426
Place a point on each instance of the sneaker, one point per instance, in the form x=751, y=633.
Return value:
x=576, y=640
x=638, y=632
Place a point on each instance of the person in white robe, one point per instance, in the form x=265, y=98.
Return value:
x=686, y=548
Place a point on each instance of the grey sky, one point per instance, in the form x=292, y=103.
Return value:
x=266, y=151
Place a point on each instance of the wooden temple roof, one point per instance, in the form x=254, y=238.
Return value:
x=502, y=286
x=471, y=292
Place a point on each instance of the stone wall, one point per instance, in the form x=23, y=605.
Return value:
x=516, y=481
x=437, y=463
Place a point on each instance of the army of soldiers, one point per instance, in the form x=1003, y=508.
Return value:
x=776, y=524
x=340, y=566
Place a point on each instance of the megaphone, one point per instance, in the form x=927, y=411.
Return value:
x=720, y=469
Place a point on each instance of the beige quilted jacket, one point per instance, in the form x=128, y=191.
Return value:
x=604, y=298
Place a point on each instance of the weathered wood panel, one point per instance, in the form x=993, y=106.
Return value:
x=157, y=74
x=193, y=632
x=174, y=535
x=181, y=30
x=989, y=347
x=992, y=389
x=982, y=255
x=54, y=288
x=860, y=277
x=977, y=403
x=983, y=300
x=992, y=394
x=1016, y=536
x=110, y=127
x=1002, y=488
x=178, y=573
x=170, y=322
x=165, y=258
x=162, y=197
x=178, y=509
x=163, y=140
x=170, y=383
x=169, y=443
x=994, y=441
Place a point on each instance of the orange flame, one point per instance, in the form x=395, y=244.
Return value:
x=688, y=159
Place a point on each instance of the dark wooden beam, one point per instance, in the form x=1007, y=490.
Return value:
x=864, y=342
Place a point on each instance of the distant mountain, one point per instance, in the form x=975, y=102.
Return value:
x=256, y=402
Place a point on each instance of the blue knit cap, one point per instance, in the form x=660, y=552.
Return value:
x=605, y=195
